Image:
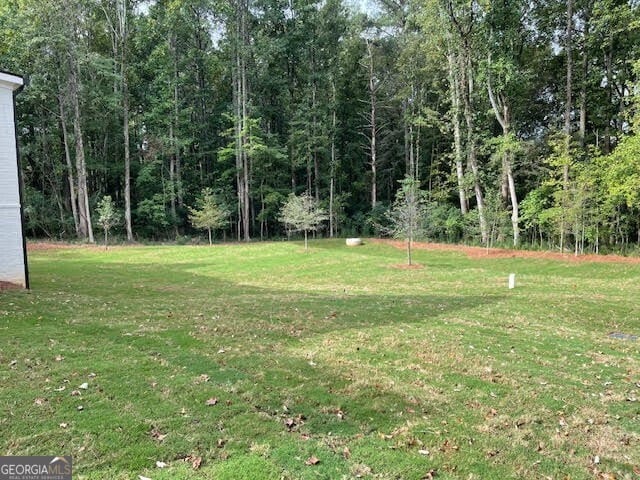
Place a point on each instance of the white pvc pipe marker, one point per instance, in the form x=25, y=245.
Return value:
x=512, y=280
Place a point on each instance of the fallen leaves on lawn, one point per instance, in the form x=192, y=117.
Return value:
x=292, y=423
x=40, y=401
x=212, y=401
x=156, y=434
x=312, y=460
x=431, y=474
x=346, y=453
x=202, y=379
x=447, y=447
x=194, y=460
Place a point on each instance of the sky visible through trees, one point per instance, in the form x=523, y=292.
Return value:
x=518, y=119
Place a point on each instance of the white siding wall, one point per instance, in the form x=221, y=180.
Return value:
x=11, y=245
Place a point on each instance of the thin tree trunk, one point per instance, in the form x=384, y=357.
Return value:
x=245, y=128
x=467, y=88
x=67, y=157
x=454, y=89
x=172, y=176
x=515, y=210
x=314, y=133
x=567, y=119
x=176, y=145
x=237, y=99
x=332, y=175
x=123, y=12
x=583, y=89
x=84, y=211
x=372, y=119
x=609, y=70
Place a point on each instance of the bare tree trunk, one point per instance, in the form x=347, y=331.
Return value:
x=515, y=213
x=176, y=145
x=568, y=106
x=609, y=69
x=84, y=211
x=454, y=89
x=67, y=157
x=172, y=176
x=316, y=163
x=122, y=14
x=332, y=175
x=467, y=88
x=372, y=125
x=245, y=127
x=239, y=110
x=583, y=94
x=127, y=162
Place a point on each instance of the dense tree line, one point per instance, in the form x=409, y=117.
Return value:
x=517, y=118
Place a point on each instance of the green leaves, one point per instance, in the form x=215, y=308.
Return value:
x=208, y=214
x=302, y=213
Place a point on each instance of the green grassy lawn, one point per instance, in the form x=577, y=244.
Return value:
x=334, y=356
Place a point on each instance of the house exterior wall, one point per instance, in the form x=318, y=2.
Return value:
x=12, y=255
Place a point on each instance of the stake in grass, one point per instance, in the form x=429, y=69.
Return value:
x=407, y=214
x=302, y=214
x=108, y=216
x=208, y=215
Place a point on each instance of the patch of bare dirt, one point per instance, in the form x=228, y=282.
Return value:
x=35, y=246
x=404, y=266
x=9, y=286
x=482, y=252
x=51, y=245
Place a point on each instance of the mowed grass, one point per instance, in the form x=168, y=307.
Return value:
x=327, y=365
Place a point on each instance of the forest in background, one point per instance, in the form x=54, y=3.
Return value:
x=516, y=117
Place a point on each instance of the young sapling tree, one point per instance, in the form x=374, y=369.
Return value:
x=108, y=216
x=208, y=214
x=302, y=214
x=408, y=213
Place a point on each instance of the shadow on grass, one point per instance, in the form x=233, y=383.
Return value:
x=138, y=324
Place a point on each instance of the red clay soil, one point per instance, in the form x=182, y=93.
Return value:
x=482, y=252
x=9, y=286
x=40, y=245
x=44, y=245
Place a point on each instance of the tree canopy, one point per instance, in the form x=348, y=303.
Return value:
x=516, y=118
